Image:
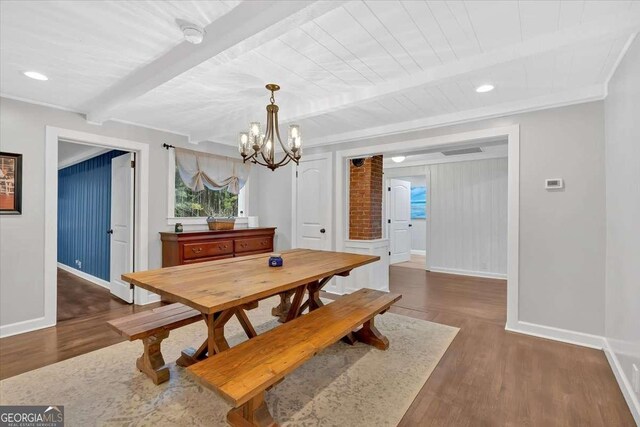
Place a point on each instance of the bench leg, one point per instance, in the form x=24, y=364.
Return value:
x=369, y=334
x=252, y=413
x=151, y=362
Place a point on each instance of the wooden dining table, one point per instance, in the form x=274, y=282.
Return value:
x=225, y=288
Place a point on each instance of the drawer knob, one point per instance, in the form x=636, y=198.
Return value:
x=196, y=250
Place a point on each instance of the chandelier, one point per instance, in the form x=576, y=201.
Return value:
x=258, y=147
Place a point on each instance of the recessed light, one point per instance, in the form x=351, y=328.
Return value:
x=398, y=159
x=35, y=75
x=484, y=88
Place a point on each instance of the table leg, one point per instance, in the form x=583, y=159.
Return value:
x=314, y=293
x=215, y=342
x=245, y=323
x=282, y=309
x=294, y=310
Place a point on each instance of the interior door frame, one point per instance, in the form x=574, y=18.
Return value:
x=512, y=134
x=294, y=199
x=141, y=245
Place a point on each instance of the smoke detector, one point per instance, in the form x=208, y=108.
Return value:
x=192, y=33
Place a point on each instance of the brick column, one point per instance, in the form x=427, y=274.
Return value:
x=365, y=200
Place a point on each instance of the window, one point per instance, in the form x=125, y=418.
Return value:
x=203, y=203
x=418, y=202
x=193, y=207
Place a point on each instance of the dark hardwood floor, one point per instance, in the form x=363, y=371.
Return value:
x=83, y=310
x=491, y=377
x=487, y=377
x=78, y=297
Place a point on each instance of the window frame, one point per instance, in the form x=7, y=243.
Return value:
x=243, y=199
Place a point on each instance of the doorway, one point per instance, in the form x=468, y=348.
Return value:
x=138, y=232
x=510, y=134
x=406, y=212
x=96, y=188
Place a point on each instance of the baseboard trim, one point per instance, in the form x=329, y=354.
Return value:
x=24, y=326
x=81, y=274
x=558, y=334
x=418, y=252
x=623, y=381
x=484, y=274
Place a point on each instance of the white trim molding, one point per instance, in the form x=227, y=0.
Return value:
x=512, y=135
x=25, y=326
x=86, y=276
x=485, y=274
x=557, y=334
x=623, y=381
x=419, y=252
x=52, y=136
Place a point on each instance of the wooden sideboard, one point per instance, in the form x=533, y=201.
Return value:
x=189, y=247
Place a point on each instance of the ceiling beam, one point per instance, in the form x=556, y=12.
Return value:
x=243, y=28
x=399, y=130
x=608, y=28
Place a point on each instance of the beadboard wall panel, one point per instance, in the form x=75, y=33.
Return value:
x=84, y=215
x=468, y=232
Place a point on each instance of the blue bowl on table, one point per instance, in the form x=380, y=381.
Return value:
x=275, y=260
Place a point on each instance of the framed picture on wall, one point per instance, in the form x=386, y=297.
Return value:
x=10, y=184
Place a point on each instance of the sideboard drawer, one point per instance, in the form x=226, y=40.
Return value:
x=207, y=249
x=254, y=244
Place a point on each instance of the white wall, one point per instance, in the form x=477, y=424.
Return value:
x=622, y=132
x=469, y=217
x=274, y=206
x=22, y=130
x=562, y=234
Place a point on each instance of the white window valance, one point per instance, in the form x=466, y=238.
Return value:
x=199, y=170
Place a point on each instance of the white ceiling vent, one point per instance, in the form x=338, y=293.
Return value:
x=462, y=151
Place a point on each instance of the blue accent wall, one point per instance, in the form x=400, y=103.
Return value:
x=84, y=215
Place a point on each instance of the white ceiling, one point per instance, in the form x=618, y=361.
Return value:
x=70, y=153
x=348, y=70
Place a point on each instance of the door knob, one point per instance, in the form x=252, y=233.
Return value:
x=109, y=231
x=322, y=230
x=410, y=225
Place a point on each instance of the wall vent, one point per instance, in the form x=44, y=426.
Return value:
x=462, y=151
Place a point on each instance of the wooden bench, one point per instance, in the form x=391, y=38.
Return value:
x=243, y=373
x=152, y=327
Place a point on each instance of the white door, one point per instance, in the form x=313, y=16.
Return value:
x=122, y=181
x=313, y=203
x=399, y=220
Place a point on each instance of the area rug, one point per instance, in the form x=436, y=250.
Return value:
x=342, y=386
